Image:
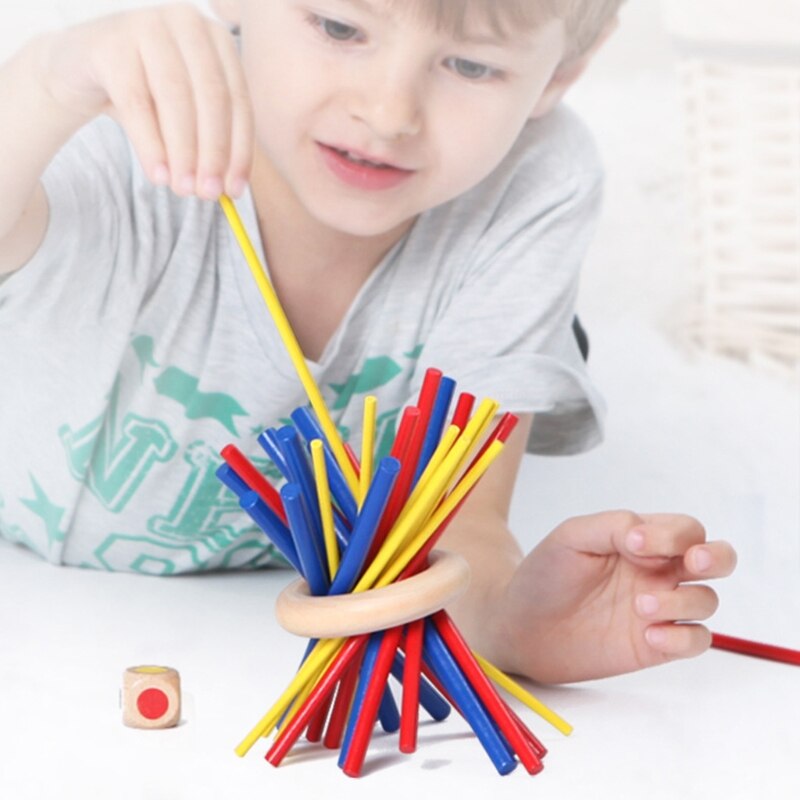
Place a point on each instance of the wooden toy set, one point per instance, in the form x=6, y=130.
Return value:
x=372, y=591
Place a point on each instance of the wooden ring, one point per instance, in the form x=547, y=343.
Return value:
x=342, y=615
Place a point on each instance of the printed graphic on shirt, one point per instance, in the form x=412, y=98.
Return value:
x=182, y=387
x=126, y=460
x=50, y=513
x=376, y=372
x=13, y=533
x=112, y=458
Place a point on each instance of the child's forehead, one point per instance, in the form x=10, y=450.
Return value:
x=503, y=20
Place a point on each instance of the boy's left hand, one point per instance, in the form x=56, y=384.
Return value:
x=601, y=595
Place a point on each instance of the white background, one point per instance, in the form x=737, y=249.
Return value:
x=686, y=432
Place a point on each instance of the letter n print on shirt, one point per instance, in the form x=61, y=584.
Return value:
x=113, y=459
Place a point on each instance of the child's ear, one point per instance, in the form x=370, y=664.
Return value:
x=227, y=10
x=569, y=71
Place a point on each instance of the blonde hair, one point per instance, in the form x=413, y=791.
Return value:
x=584, y=19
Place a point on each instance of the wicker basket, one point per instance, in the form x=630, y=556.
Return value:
x=742, y=107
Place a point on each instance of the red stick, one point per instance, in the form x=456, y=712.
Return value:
x=372, y=700
x=757, y=649
x=483, y=687
x=324, y=687
x=537, y=746
x=247, y=471
x=352, y=458
x=463, y=409
x=400, y=449
x=317, y=724
x=402, y=486
x=501, y=432
x=409, y=714
x=427, y=398
x=341, y=707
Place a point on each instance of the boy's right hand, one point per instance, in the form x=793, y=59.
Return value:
x=173, y=79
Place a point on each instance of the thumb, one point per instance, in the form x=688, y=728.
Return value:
x=619, y=532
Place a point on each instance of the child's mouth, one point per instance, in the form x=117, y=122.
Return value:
x=356, y=160
x=357, y=171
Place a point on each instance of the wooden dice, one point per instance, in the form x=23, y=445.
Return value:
x=151, y=697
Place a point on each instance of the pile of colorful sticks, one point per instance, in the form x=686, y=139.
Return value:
x=341, y=543
x=353, y=530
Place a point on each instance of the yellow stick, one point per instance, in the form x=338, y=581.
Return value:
x=428, y=498
x=450, y=503
x=442, y=449
x=322, y=653
x=301, y=698
x=325, y=507
x=290, y=342
x=515, y=690
x=367, y=446
x=482, y=419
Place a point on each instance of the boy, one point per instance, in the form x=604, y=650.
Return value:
x=421, y=201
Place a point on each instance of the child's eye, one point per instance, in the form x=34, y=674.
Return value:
x=471, y=70
x=332, y=29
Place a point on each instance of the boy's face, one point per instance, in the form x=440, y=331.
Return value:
x=339, y=83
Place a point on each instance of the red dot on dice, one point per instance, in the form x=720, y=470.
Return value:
x=152, y=703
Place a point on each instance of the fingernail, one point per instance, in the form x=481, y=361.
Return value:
x=702, y=559
x=212, y=188
x=634, y=541
x=647, y=604
x=161, y=175
x=237, y=187
x=656, y=637
x=187, y=184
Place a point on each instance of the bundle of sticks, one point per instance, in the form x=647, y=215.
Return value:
x=372, y=592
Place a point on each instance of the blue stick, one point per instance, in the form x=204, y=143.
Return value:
x=300, y=525
x=429, y=698
x=310, y=429
x=470, y=706
x=300, y=473
x=388, y=713
x=273, y=527
x=229, y=478
x=365, y=526
x=269, y=444
x=364, y=675
x=436, y=424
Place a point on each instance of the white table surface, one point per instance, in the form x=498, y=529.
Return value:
x=720, y=726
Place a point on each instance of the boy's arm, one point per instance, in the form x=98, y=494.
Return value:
x=480, y=533
x=600, y=595
x=170, y=76
x=33, y=129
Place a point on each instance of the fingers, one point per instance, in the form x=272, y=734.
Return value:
x=176, y=85
x=171, y=87
x=678, y=641
x=133, y=107
x=671, y=536
x=242, y=129
x=706, y=561
x=686, y=602
x=664, y=536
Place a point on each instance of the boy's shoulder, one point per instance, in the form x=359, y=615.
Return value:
x=558, y=146
x=553, y=161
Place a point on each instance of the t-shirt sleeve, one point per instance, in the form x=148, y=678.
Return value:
x=507, y=333
x=88, y=185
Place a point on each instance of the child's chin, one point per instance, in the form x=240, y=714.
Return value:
x=361, y=223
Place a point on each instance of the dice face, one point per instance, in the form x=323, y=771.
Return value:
x=151, y=697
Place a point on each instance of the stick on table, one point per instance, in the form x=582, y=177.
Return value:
x=757, y=649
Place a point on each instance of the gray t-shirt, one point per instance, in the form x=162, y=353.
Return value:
x=134, y=346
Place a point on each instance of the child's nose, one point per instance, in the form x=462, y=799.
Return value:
x=388, y=104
